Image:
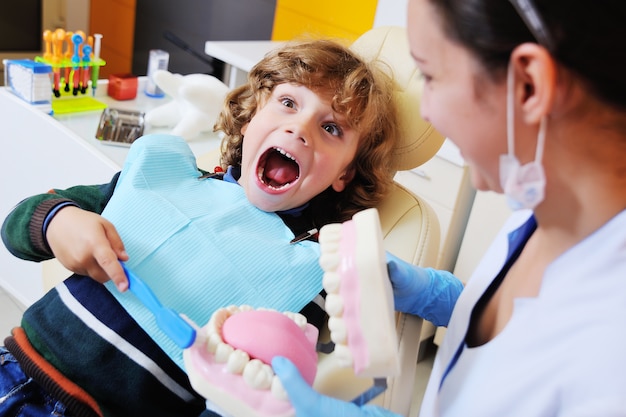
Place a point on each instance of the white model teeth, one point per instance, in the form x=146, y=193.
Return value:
x=213, y=341
x=258, y=374
x=255, y=373
x=237, y=361
x=331, y=282
x=329, y=246
x=277, y=389
x=218, y=318
x=334, y=305
x=343, y=355
x=338, y=331
x=330, y=260
x=223, y=351
x=331, y=237
x=297, y=318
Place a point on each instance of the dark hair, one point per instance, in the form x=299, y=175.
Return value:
x=588, y=37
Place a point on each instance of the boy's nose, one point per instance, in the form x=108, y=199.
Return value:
x=298, y=134
x=301, y=130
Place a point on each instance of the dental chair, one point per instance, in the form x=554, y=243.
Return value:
x=409, y=225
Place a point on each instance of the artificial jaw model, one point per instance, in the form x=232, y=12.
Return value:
x=229, y=364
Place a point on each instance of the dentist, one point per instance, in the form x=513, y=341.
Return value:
x=533, y=93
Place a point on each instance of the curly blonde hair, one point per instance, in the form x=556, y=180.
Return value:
x=359, y=91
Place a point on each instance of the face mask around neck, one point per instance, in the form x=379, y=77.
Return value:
x=523, y=185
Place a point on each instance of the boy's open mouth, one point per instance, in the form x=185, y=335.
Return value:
x=277, y=169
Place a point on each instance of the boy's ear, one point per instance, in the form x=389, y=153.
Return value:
x=535, y=79
x=340, y=183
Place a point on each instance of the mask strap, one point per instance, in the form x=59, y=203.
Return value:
x=541, y=139
x=510, y=119
x=510, y=111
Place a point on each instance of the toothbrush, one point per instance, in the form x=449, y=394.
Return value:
x=177, y=328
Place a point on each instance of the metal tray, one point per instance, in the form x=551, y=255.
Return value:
x=120, y=127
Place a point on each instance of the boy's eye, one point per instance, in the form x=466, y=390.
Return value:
x=287, y=102
x=333, y=129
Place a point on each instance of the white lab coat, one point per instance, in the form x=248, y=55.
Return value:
x=562, y=353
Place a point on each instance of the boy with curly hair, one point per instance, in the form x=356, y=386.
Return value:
x=308, y=142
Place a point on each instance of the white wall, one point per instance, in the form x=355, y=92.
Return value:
x=390, y=13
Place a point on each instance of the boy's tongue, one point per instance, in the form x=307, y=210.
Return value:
x=279, y=170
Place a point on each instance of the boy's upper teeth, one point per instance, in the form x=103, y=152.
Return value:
x=285, y=153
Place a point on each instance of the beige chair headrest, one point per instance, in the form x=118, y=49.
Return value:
x=418, y=141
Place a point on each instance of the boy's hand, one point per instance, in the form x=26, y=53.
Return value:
x=309, y=403
x=87, y=244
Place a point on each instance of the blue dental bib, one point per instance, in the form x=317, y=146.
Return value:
x=200, y=244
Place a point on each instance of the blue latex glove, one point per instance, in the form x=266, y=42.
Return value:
x=424, y=292
x=309, y=403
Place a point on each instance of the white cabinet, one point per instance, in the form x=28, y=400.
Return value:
x=445, y=184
